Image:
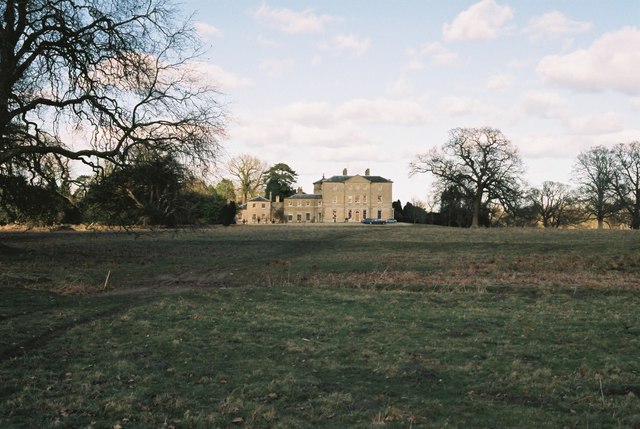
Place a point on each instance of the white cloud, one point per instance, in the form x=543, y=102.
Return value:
x=350, y=153
x=343, y=44
x=547, y=147
x=325, y=131
x=547, y=105
x=434, y=52
x=610, y=63
x=383, y=111
x=292, y=22
x=459, y=106
x=596, y=124
x=439, y=55
x=335, y=136
x=635, y=103
x=415, y=60
x=485, y=20
x=220, y=78
x=401, y=87
x=554, y=25
x=266, y=43
x=544, y=105
x=358, y=46
x=207, y=31
x=308, y=113
x=518, y=64
x=379, y=111
x=275, y=67
x=500, y=82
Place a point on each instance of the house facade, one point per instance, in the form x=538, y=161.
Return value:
x=256, y=210
x=342, y=198
x=302, y=207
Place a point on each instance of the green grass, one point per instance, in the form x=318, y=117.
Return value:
x=273, y=327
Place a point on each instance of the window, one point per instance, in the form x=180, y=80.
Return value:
x=290, y=204
x=299, y=204
x=364, y=199
x=379, y=214
x=350, y=199
x=308, y=216
x=253, y=205
x=357, y=199
x=299, y=218
x=264, y=205
x=308, y=203
x=290, y=218
x=364, y=214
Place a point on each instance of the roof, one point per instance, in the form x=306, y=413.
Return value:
x=342, y=179
x=259, y=199
x=304, y=196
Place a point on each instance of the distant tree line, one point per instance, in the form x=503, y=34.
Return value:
x=151, y=189
x=155, y=190
x=479, y=182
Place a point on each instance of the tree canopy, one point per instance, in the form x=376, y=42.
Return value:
x=114, y=74
x=594, y=172
x=626, y=180
x=248, y=171
x=479, y=162
x=279, y=181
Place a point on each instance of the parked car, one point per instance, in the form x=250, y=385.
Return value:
x=373, y=221
x=391, y=221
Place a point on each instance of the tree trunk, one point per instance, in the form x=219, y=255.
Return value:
x=635, y=220
x=475, y=216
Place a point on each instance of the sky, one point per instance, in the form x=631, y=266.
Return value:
x=357, y=84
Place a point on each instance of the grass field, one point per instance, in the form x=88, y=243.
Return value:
x=321, y=327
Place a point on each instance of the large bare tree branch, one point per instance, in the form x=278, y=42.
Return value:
x=481, y=162
x=117, y=69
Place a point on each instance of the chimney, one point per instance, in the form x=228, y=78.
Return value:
x=277, y=198
x=367, y=172
x=344, y=172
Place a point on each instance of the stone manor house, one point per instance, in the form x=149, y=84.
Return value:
x=342, y=198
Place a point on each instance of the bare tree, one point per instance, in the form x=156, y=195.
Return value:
x=249, y=174
x=594, y=172
x=116, y=71
x=626, y=180
x=481, y=162
x=552, y=202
